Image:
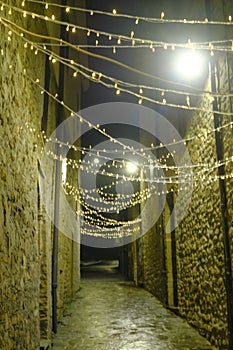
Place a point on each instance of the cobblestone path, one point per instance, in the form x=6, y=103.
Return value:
x=115, y=315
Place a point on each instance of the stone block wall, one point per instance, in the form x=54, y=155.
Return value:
x=20, y=110
x=68, y=272
x=201, y=289
x=200, y=249
x=154, y=277
x=26, y=233
x=199, y=237
x=45, y=250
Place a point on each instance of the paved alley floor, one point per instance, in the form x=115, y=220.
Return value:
x=112, y=314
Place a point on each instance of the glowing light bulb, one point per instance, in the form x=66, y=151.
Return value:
x=190, y=64
x=131, y=167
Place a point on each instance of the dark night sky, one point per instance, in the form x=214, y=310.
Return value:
x=160, y=63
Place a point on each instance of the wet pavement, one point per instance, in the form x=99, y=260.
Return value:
x=109, y=313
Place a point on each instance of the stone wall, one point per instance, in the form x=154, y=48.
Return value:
x=21, y=105
x=200, y=278
x=153, y=261
x=26, y=232
x=200, y=249
x=201, y=290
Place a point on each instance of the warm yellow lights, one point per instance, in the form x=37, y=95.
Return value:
x=202, y=172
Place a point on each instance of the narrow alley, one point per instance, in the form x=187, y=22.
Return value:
x=110, y=313
x=116, y=174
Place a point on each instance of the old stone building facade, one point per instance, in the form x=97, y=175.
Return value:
x=27, y=233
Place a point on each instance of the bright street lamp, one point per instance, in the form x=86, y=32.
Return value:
x=190, y=64
x=131, y=167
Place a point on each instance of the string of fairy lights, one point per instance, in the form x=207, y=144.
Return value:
x=136, y=19
x=206, y=134
x=98, y=201
x=118, y=85
x=228, y=125
x=210, y=45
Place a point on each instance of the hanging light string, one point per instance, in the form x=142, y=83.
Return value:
x=23, y=31
x=116, y=206
x=117, y=88
x=106, y=194
x=156, y=165
x=100, y=152
x=81, y=119
x=129, y=201
x=115, y=235
x=110, y=232
x=89, y=217
x=95, y=75
x=115, y=47
x=107, y=222
x=175, y=179
x=200, y=173
x=136, y=19
x=226, y=161
x=210, y=45
x=100, y=219
x=72, y=113
x=124, y=146
x=136, y=198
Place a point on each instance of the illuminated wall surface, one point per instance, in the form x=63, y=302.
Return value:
x=59, y=59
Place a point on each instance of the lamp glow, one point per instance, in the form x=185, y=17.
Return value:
x=131, y=167
x=190, y=64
